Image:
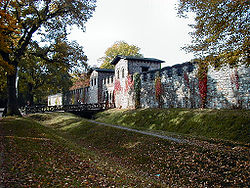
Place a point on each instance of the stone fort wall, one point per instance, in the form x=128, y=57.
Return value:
x=226, y=88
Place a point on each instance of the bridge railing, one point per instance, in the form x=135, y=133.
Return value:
x=89, y=107
x=42, y=108
x=68, y=108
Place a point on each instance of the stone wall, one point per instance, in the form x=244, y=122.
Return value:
x=121, y=73
x=124, y=98
x=101, y=86
x=136, y=66
x=229, y=87
x=180, y=86
x=93, y=88
x=108, y=88
x=226, y=88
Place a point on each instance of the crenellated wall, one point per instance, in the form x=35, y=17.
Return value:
x=226, y=88
x=124, y=97
x=229, y=87
x=178, y=86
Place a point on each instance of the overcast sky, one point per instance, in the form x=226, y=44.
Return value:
x=152, y=25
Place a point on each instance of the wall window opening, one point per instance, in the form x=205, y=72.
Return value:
x=122, y=73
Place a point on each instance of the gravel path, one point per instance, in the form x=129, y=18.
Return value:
x=207, y=144
x=143, y=132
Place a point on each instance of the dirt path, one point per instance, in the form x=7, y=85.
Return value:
x=212, y=144
x=142, y=132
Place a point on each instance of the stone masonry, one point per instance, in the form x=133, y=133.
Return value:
x=225, y=88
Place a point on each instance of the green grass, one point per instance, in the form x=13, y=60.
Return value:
x=33, y=154
x=231, y=125
x=63, y=150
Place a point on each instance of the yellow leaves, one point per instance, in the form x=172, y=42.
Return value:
x=7, y=67
x=9, y=31
x=220, y=26
x=119, y=48
x=53, y=7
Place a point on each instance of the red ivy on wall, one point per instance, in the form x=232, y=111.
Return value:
x=129, y=83
x=158, y=91
x=203, y=89
x=235, y=79
x=117, y=86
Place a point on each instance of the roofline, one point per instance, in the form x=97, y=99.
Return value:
x=119, y=57
x=104, y=70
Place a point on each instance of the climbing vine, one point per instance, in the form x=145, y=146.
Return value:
x=235, y=87
x=158, y=90
x=202, y=76
x=118, y=87
x=129, y=84
x=137, y=89
x=235, y=79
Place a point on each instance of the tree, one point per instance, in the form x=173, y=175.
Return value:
x=221, y=30
x=3, y=88
x=45, y=70
x=80, y=80
x=119, y=48
x=9, y=30
x=39, y=22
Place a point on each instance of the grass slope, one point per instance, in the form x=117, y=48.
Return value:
x=63, y=150
x=33, y=155
x=231, y=125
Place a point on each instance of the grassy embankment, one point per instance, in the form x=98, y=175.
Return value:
x=34, y=155
x=231, y=125
x=65, y=150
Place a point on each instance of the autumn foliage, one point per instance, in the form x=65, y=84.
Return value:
x=220, y=32
x=203, y=90
x=129, y=84
x=119, y=48
x=9, y=33
x=79, y=153
x=158, y=91
x=202, y=76
x=118, y=87
x=80, y=81
x=235, y=79
x=39, y=29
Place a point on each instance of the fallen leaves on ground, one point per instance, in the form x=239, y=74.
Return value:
x=48, y=162
x=173, y=164
x=99, y=156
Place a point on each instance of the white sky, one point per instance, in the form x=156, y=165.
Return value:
x=152, y=25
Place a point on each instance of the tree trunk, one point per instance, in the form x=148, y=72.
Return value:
x=30, y=94
x=12, y=104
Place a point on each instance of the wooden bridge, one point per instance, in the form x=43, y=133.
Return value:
x=69, y=108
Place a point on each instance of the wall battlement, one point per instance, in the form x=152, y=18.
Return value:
x=226, y=88
x=177, y=86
